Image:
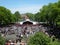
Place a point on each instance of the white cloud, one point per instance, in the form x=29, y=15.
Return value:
x=25, y=9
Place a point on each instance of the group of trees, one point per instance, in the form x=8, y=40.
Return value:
x=7, y=17
x=48, y=13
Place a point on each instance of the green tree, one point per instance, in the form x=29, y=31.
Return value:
x=39, y=39
x=31, y=16
x=17, y=16
x=5, y=15
x=39, y=17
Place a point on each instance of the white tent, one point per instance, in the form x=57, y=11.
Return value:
x=28, y=20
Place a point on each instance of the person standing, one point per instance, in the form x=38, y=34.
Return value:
x=18, y=43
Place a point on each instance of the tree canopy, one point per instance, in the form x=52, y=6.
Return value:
x=7, y=17
x=39, y=39
x=50, y=13
x=17, y=15
x=30, y=15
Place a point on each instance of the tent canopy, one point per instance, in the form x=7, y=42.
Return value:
x=27, y=21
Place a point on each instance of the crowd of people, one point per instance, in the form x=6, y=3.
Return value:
x=10, y=42
x=19, y=30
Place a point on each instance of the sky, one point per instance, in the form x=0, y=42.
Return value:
x=25, y=6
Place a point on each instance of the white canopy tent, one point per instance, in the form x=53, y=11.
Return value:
x=28, y=20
